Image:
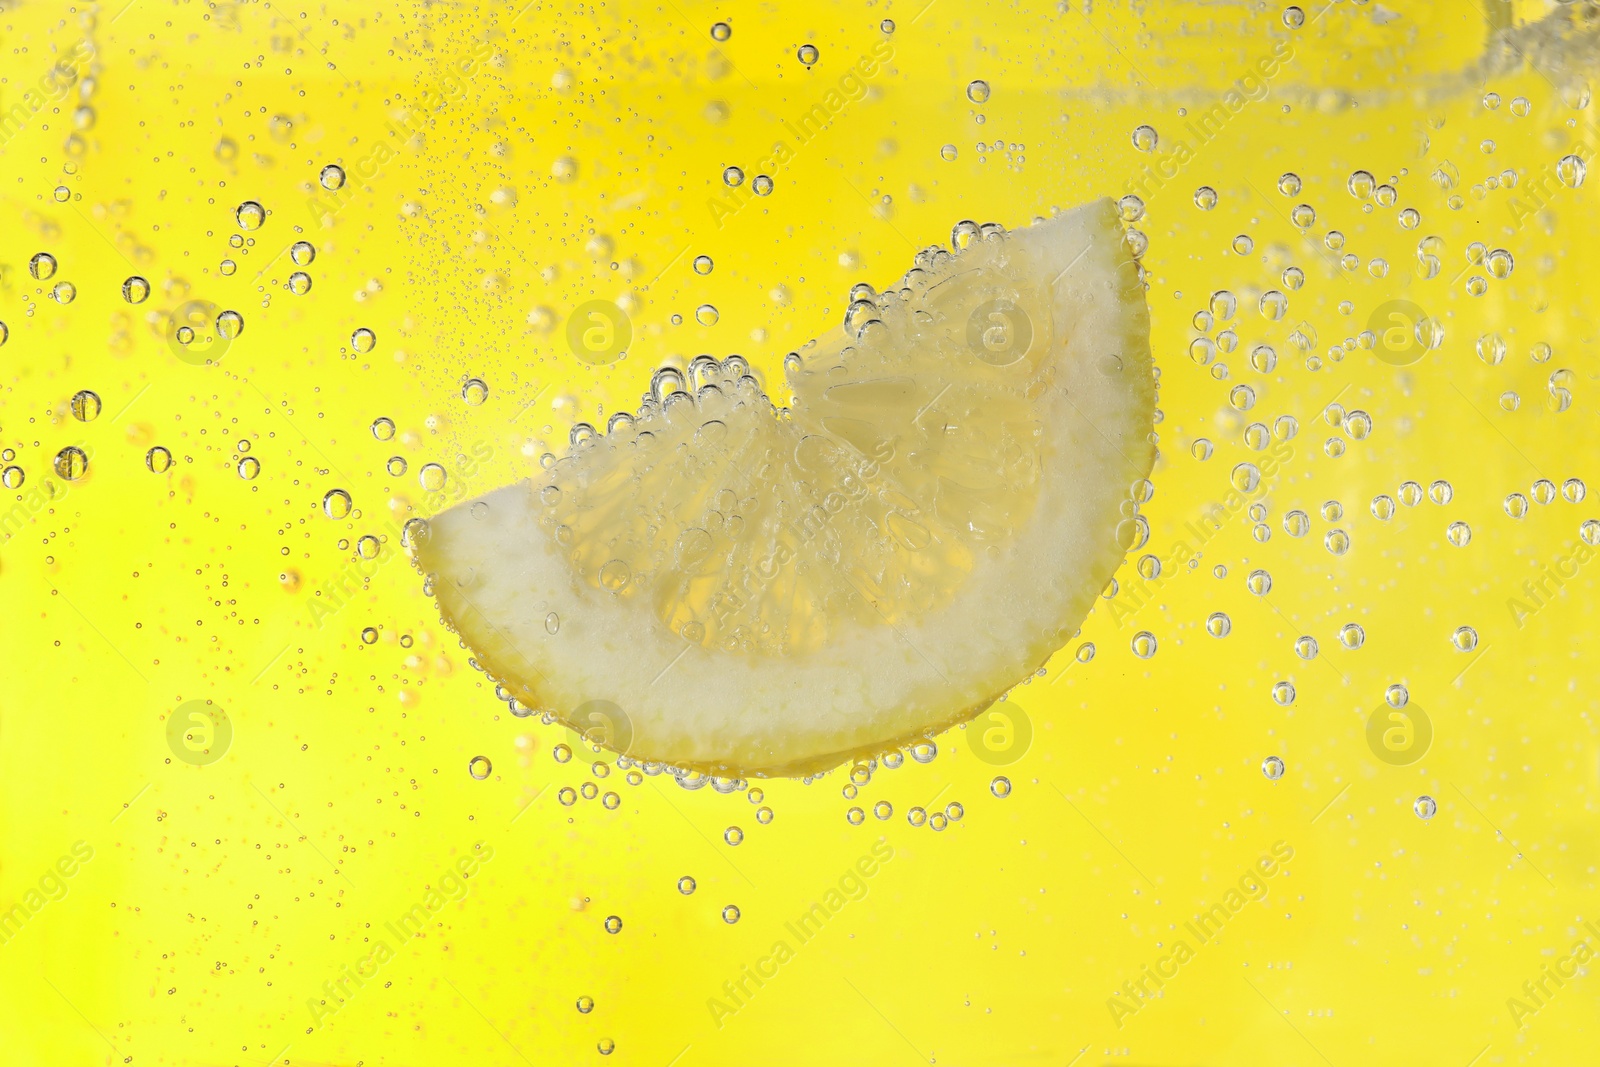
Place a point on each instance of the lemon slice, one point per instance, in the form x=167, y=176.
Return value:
x=748, y=590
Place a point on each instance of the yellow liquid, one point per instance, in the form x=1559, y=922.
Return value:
x=504, y=166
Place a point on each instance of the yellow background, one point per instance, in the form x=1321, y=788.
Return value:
x=220, y=898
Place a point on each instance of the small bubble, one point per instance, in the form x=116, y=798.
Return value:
x=71, y=463
x=42, y=265
x=64, y=292
x=1294, y=17
x=1465, y=639
x=808, y=54
x=475, y=391
x=299, y=283
x=230, y=324
x=1459, y=534
x=1205, y=198
x=432, y=477
x=882, y=810
x=1283, y=693
x=1306, y=647
x=1259, y=582
x=1218, y=624
x=363, y=340
x=732, y=176
x=158, y=460
x=916, y=816
x=1000, y=786
x=586, y=1004
x=978, y=91
x=332, y=177
x=1425, y=807
x=733, y=835
x=336, y=504
x=1144, y=644
x=302, y=253
x=1352, y=636
x=730, y=914
x=250, y=215
x=706, y=315
x=702, y=264
x=369, y=636
x=13, y=477
x=1571, y=170
x=613, y=924
x=1243, y=244
x=1272, y=767
x=85, y=405
x=948, y=153
x=249, y=467
x=479, y=767
x=383, y=428
x=1145, y=138
x=721, y=31
x=855, y=816
x=761, y=185
x=135, y=290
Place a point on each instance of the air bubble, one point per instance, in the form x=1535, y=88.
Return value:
x=71, y=463
x=336, y=504
x=250, y=215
